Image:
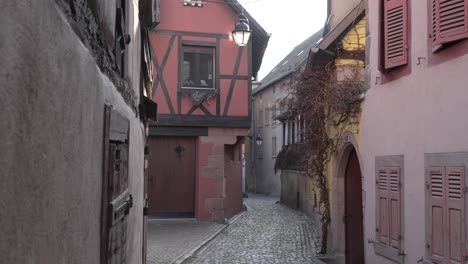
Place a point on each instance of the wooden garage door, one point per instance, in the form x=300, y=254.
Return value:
x=172, y=176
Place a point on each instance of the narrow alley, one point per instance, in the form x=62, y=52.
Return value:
x=268, y=232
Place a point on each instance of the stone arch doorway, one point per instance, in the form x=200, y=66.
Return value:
x=347, y=236
x=353, y=213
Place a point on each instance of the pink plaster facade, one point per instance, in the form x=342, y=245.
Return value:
x=412, y=111
x=211, y=25
x=218, y=178
x=221, y=119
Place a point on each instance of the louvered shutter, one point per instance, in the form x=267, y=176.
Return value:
x=382, y=200
x=449, y=21
x=455, y=215
x=436, y=214
x=395, y=33
x=394, y=194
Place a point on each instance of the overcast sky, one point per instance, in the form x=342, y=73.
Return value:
x=289, y=21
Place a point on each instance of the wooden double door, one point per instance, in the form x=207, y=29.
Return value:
x=171, y=179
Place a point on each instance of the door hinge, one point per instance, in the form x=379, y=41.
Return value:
x=400, y=237
x=377, y=230
x=427, y=185
x=428, y=245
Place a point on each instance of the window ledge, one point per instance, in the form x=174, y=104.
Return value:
x=388, y=252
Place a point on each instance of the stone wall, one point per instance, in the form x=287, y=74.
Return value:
x=294, y=191
x=52, y=94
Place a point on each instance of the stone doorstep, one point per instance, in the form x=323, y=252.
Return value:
x=190, y=252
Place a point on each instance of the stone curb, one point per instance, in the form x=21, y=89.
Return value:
x=190, y=252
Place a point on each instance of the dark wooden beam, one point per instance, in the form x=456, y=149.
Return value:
x=203, y=121
x=178, y=131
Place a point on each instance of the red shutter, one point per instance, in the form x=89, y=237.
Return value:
x=394, y=198
x=395, y=33
x=382, y=200
x=436, y=214
x=455, y=215
x=449, y=21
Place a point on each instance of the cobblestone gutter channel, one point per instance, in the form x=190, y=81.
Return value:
x=266, y=233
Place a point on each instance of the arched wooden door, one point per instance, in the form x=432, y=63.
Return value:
x=353, y=217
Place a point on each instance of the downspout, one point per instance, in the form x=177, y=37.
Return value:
x=252, y=143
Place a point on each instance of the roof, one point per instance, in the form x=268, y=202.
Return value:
x=291, y=63
x=259, y=36
x=319, y=52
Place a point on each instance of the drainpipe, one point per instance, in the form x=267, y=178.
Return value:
x=252, y=144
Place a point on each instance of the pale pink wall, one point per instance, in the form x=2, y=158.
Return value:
x=423, y=112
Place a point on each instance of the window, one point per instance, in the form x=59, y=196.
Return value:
x=121, y=36
x=198, y=67
x=259, y=148
x=273, y=115
x=267, y=116
x=293, y=131
x=389, y=231
x=394, y=33
x=449, y=22
x=273, y=147
x=285, y=133
x=446, y=227
x=260, y=118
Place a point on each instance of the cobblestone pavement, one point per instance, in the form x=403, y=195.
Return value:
x=170, y=239
x=267, y=233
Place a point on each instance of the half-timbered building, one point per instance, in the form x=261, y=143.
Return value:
x=203, y=88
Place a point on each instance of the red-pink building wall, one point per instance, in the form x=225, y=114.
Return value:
x=210, y=24
x=225, y=115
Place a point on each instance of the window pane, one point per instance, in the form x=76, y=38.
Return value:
x=197, y=68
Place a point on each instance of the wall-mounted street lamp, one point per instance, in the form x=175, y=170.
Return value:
x=241, y=32
x=259, y=140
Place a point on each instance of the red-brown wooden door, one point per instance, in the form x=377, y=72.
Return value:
x=171, y=179
x=353, y=217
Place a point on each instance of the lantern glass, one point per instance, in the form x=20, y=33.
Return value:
x=259, y=140
x=241, y=37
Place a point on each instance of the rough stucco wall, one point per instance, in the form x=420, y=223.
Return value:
x=292, y=183
x=422, y=112
x=52, y=98
x=339, y=10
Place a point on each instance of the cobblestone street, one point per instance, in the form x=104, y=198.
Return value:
x=266, y=233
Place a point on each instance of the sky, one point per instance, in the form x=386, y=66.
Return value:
x=289, y=21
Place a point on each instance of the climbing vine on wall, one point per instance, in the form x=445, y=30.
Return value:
x=325, y=103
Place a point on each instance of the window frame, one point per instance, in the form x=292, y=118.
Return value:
x=198, y=48
x=267, y=116
x=274, y=147
x=260, y=118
